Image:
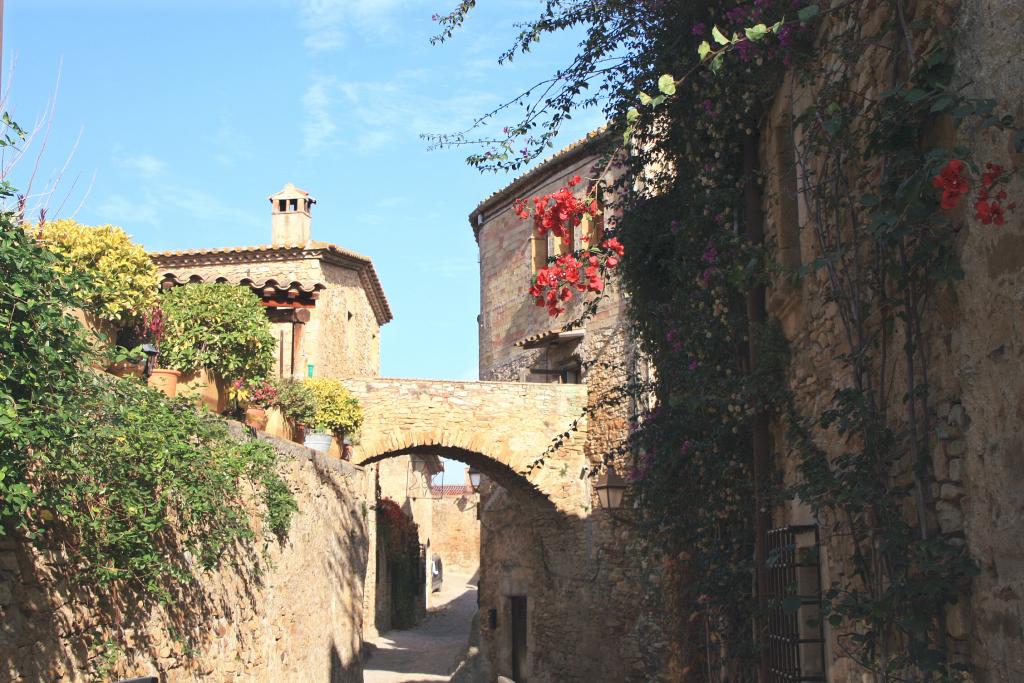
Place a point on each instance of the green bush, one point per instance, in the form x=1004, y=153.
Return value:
x=121, y=278
x=220, y=327
x=42, y=350
x=337, y=410
x=296, y=400
x=143, y=466
x=110, y=467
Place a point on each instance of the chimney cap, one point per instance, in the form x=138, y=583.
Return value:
x=289, y=191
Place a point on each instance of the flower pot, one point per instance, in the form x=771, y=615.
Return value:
x=318, y=441
x=125, y=368
x=165, y=380
x=256, y=417
x=207, y=389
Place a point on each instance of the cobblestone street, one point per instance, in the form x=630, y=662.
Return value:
x=431, y=651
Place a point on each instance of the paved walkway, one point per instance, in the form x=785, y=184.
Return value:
x=430, y=651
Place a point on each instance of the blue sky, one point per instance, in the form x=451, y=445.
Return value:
x=188, y=114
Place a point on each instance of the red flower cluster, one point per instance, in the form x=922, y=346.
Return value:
x=988, y=207
x=952, y=182
x=263, y=395
x=579, y=272
x=988, y=202
x=557, y=212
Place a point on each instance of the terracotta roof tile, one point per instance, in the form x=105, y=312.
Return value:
x=316, y=249
x=448, y=489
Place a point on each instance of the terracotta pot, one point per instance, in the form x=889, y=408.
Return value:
x=207, y=389
x=256, y=417
x=125, y=368
x=165, y=380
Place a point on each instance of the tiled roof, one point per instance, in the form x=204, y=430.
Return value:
x=554, y=163
x=552, y=335
x=282, y=287
x=448, y=489
x=313, y=249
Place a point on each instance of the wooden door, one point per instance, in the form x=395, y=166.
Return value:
x=519, y=638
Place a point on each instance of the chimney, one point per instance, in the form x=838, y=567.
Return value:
x=290, y=217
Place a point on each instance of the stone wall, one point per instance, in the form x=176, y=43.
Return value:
x=984, y=368
x=974, y=347
x=342, y=337
x=457, y=532
x=507, y=313
x=274, y=611
x=581, y=570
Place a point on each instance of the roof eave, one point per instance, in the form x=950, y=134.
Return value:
x=551, y=166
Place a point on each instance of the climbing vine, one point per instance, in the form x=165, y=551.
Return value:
x=399, y=538
x=882, y=177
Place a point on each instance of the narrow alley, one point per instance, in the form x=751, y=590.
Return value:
x=432, y=650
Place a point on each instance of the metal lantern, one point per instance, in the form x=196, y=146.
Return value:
x=151, y=353
x=611, y=488
x=474, y=479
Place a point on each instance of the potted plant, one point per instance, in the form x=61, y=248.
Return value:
x=296, y=403
x=338, y=413
x=261, y=396
x=215, y=333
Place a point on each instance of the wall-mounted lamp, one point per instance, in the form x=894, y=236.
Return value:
x=610, y=487
x=474, y=479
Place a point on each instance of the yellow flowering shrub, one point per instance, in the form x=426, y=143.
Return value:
x=337, y=410
x=123, y=278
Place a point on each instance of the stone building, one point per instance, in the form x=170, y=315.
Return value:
x=326, y=306
x=406, y=480
x=557, y=586
x=325, y=303
x=456, y=526
x=972, y=346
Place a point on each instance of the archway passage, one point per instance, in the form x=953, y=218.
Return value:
x=521, y=435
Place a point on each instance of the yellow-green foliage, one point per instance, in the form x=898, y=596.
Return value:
x=337, y=410
x=122, y=275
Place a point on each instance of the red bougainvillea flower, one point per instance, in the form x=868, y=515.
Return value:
x=992, y=175
x=582, y=271
x=952, y=182
x=613, y=244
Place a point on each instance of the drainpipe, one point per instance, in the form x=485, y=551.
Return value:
x=299, y=318
x=756, y=317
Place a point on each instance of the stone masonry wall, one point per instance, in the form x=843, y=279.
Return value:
x=342, y=337
x=288, y=611
x=582, y=573
x=507, y=313
x=457, y=533
x=974, y=344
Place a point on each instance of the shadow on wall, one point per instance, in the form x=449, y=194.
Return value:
x=584, y=589
x=56, y=628
x=339, y=672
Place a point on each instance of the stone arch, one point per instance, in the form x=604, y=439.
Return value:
x=514, y=482
x=526, y=437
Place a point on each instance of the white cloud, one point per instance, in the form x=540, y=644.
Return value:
x=319, y=127
x=120, y=210
x=327, y=23
x=162, y=202
x=376, y=115
x=146, y=165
